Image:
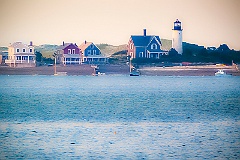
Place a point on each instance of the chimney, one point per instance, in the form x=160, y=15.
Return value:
x=31, y=43
x=144, y=32
x=85, y=42
x=63, y=43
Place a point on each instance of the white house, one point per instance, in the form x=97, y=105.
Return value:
x=21, y=55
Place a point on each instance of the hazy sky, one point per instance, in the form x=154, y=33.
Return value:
x=205, y=22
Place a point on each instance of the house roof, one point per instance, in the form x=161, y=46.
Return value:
x=84, y=45
x=16, y=44
x=66, y=45
x=143, y=40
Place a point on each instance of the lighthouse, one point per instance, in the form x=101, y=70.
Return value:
x=177, y=37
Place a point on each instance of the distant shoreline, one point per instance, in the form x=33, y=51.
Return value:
x=207, y=70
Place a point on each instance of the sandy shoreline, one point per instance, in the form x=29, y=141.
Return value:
x=208, y=70
x=122, y=69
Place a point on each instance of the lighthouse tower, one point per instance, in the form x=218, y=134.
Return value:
x=177, y=37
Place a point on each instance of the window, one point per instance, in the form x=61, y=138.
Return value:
x=141, y=54
x=153, y=46
x=73, y=51
x=69, y=51
x=17, y=50
x=131, y=54
x=131, y=46
x=23, y=50
x=30, y=50
x=89, y=52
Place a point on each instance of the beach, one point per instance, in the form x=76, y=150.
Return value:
x=205, y=70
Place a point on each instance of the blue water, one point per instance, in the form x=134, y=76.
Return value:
x=119, y=117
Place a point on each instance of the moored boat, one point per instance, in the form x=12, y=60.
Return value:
x=221, y=73
x=134, y=72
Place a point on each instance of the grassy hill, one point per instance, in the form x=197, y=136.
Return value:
x=3, y=49
x=108, y=49
x=47, y=50
x=166, y=44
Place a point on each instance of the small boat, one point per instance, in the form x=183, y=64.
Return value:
x=134, y=72
x=221, y=73
x=100, y=73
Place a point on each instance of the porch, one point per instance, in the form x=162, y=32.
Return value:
x=91, y=60
x=156, y=55
x=21, y=61
x=71, y=60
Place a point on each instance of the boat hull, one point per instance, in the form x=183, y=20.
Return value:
x=134, y=74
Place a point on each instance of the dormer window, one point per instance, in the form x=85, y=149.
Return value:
x=153, y=46
x=17, y=50
x=30, y=50
x=73, y=51
x=24, y=50
x=69, y=51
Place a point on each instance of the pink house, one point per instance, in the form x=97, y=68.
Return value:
x=68, y=53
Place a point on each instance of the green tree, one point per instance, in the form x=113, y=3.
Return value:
x=172, y=53
x=38, y=56
x=223, y=47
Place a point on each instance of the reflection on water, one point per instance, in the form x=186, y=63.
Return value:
x=119, y=117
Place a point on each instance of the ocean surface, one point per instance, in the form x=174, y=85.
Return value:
x=119, y=117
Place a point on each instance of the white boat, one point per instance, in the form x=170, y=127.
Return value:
x=221, y=73
x=100, y=73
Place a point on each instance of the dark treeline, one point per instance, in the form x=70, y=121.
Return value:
x=222, y=54
x=197, y=54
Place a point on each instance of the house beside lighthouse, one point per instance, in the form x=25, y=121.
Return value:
x=177, y=37
x=145, y=46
